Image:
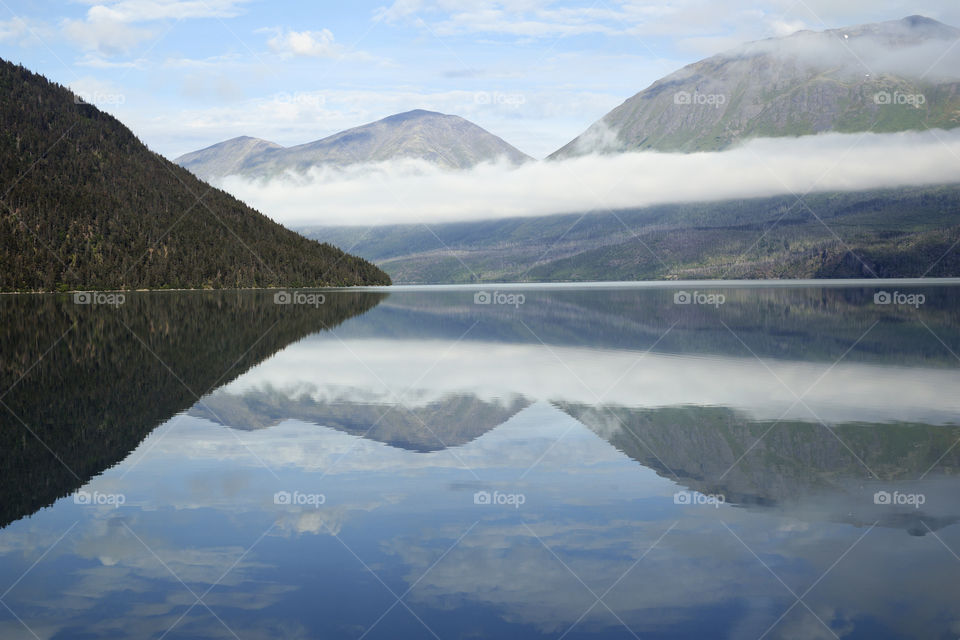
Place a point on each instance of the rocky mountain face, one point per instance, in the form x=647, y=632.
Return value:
x=444, y=140
x=885, y=77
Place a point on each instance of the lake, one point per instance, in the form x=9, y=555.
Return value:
x=683, y=460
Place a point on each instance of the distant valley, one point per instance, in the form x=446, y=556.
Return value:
x=907, y=232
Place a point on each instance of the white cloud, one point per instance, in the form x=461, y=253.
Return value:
x=526, y=18
x=128, y=11
x=107, y=37
x=698, y=26
x=109, y=27
x=414, y=191
x=312, y=44
x=398, y=10
x=96, y=61
x=13, y=29
x=935, y=59
x=23, y=32
x=787, y=27
x=213, y=62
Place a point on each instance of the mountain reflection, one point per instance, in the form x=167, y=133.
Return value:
x=787, y=465
x=447, y=422
x=84, y=384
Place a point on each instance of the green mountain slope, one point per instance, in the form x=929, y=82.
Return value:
x=85, y=204
x=908, y=232
x=885, y=77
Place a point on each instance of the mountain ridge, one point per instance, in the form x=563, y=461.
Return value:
x=224, y=156
x=446, y=140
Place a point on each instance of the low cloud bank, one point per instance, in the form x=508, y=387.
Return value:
x=413, y=191
x=936, y=59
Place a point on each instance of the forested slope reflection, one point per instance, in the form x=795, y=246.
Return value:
x=83, y=384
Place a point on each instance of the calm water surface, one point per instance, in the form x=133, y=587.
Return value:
x=532, y=462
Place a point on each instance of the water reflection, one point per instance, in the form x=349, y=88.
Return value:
x=399, y=421
x=83, y=384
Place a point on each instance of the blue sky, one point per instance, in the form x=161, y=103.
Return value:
x=184, y=74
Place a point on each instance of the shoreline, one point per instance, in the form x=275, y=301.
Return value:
x=601, y=284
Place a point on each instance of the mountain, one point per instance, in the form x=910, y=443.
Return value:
x=907, y=232
x=87, y=205
x=885, y=77
x=445, y=140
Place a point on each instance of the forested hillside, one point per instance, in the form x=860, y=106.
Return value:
x=907, y=232
x=85, y=205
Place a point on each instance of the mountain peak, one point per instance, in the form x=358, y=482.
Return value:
x=929, y=26
x=248, y=139
x=414, y=114
x=229, y=156
x=910, y=30
x=918, y=20
x=244, y=141
x=445, y=140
